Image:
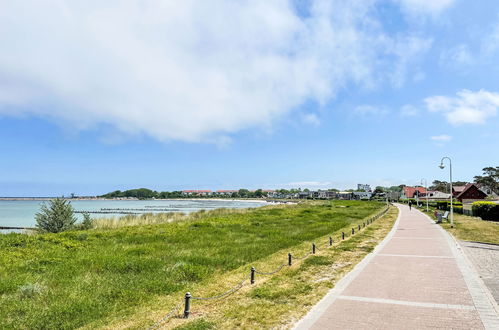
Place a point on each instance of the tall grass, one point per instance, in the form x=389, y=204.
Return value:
x=159, y=218
x=72, y=279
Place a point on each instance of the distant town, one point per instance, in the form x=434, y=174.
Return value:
x=438, y=191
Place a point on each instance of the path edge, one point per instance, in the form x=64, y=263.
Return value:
x=483, y=300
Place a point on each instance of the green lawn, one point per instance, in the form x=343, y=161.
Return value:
x=80, y=278
x=474, y=229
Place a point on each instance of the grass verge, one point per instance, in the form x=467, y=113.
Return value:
x=98, y=277
x=468, y=228
x=276, y=301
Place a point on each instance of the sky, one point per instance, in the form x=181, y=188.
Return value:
x=97, y=96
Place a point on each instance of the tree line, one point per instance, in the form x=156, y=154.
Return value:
x=144, y=193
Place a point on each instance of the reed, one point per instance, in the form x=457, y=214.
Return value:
x=167, y=217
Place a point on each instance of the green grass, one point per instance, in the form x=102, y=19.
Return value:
x=467, y=228
x=280, y=300
x=87, y=278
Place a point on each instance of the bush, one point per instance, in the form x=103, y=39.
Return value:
x=445, y=205
x=87, y=222
x=55, y=217
x=486, y=210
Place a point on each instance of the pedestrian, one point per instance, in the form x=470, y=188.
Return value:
x=410, y=205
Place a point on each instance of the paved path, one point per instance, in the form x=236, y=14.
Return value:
x=417, y=278
x=485, y=258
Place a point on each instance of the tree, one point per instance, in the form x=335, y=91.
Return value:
x=87, y=222
x=490, y=178
x=258, y=193
x=439, y=186
x=244, y=193
x=55, y=217
x=396, y=188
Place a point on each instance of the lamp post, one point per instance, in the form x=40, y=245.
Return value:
x=426, y=188
x=442, y=166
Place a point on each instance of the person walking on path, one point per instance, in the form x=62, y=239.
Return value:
x=416, y=278
x=410, y=205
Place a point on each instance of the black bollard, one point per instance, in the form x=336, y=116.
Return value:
x=187, y=307
x=313, y=248
x=290, y=259
x=342, y=235
x=252, y=277
x=330, y=241
x=353, y=231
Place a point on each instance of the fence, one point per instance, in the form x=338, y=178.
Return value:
x=253, y=272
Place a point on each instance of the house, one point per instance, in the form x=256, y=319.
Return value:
x=362, y=195
x=364, y=187
x=226, y=192
x=435, y=195
x=489, y=191
x=331, y=194
x=469, y=191
x=305, y=194
x=413, y=192
x=344, y=195
x=197, y=192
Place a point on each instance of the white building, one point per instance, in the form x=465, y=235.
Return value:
x=364, y=187
x=362, y=194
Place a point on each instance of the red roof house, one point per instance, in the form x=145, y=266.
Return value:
x=470, y=191
x=411, y=192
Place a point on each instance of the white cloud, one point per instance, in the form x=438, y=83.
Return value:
x=441, y=138
x=467, y=107
x=409, y=111
x=433, y=7
x=188, y=70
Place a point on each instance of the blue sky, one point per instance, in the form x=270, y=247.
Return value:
x=259, y=94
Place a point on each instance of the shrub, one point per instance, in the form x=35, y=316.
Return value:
x=55, y=217
x=486, y=210
x=445, y=205
x=87, y=222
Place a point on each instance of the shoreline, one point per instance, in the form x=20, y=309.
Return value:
x=80, y=202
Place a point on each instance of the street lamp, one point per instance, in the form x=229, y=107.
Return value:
x=426, y=188
x=442, y=166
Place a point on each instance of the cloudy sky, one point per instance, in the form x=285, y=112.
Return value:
x=104, y=95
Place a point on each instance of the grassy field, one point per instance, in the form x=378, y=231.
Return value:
x=474, y=229
x=280, y=300
x=93, y=278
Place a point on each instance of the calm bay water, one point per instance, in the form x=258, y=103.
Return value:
x=22, y=213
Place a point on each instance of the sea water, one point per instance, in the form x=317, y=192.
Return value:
x=22, y=213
